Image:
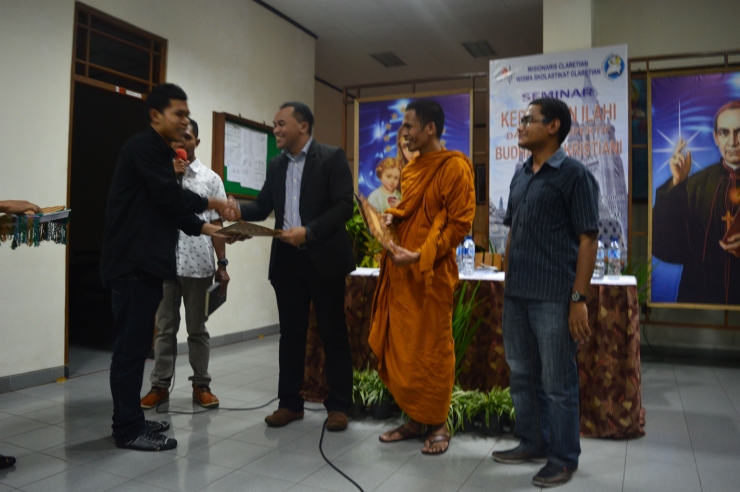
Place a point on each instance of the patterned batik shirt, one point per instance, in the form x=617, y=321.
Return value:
x=195, y=253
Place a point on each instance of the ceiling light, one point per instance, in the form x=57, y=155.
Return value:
x=388, y=59
x=479, y=49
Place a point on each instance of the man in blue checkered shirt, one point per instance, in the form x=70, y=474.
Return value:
x=553, y=214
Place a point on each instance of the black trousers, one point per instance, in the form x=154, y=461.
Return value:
x=135, y=298
x=297, y=283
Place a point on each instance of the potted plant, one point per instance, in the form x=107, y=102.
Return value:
x=496, y=411
x=365, y=247
x=464, y=408
x=358, y=403
x=374, y=394
x=463, y=327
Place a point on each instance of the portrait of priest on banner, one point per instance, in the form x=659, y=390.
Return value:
x=696, y=224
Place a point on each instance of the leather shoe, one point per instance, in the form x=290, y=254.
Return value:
x=516, y=456
x=155, y=396
x=203, y=396
x=282, y=417
x=337, y=421
x=552, y=475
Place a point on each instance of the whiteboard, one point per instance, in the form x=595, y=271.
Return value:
x=244, y=155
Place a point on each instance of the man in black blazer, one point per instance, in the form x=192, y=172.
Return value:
x=309, y=186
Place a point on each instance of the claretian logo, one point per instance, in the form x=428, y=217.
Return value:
x=504, y=74
x=613, y=66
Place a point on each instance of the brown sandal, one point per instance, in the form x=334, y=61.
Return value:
x=404, y=430
x=435, y=438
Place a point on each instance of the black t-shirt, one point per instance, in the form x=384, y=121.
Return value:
x=146, y=206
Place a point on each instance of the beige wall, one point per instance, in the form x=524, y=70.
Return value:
x=566, y=25
x=328, y=115
x=230, y=55
x=660, y=27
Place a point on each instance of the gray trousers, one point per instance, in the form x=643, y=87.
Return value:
x=193, y=291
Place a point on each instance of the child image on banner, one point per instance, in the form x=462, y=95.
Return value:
x=387, y=195
x=404, y=155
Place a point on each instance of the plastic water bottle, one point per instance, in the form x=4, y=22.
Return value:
x=614, y=266
x=458, y=258
x=468, y=256
x=600, y=257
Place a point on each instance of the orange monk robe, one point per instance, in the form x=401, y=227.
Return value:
x=411, y=330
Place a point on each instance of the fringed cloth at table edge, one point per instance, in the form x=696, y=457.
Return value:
x=27, y=229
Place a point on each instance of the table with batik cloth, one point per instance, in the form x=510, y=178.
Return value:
x=608, y=364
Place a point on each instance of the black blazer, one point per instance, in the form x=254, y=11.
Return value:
x=325, y=206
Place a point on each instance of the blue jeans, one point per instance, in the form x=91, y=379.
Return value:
x=544, y=378
x=135, y=298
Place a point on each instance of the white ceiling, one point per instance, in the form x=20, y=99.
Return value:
x=426, y=34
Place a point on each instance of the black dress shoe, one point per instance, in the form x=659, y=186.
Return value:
x=157, y=425
x=6, y=461
x=516, y=456
x=552, y=475
x=149, y=441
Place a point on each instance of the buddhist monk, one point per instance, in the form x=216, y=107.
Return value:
x=411, y=331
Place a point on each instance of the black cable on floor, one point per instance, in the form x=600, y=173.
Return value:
x=177, y=412
x=321, y=450
x=323, y=428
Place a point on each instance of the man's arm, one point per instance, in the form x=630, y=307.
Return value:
x=505, y=266
x=216, y=189
x=190, y=224
x=584, y=216
x=578, y=314
x=458, y=195
x=162, y=183
x=18, y=207
x=219, y=246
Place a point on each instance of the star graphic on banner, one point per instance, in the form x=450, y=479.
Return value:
x=672, y=145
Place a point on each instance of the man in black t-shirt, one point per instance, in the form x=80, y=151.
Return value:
x=146, y=206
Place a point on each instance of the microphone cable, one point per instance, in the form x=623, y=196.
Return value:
x=321, y=440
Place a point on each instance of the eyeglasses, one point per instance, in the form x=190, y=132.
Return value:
x=526, y=120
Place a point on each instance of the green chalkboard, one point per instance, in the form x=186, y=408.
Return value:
x=220, y=151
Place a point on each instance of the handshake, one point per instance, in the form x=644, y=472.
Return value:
x=228, y=210
x=231, y=211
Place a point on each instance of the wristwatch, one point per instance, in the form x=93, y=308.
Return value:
x=577, y=297
x=223, y=262
x=309, y=235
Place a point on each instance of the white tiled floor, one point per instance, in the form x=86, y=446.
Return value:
x=60, y=434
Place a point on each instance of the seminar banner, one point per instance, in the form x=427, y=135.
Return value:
x=594, y=85
x=695, y=190
x=380, y=155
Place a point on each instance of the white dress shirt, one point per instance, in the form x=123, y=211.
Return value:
x=293, y=180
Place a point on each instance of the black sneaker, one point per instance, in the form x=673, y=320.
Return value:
x=516, y=456
x=153, y=426
x=552, y=475
x=149, y=441
x=157, y=425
